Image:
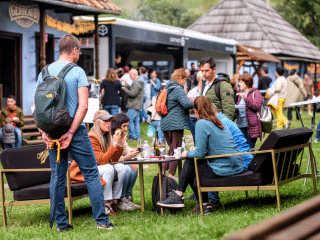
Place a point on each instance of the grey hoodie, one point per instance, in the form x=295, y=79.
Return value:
x=8, y=133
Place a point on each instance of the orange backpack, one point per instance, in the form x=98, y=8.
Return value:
x=161, y=103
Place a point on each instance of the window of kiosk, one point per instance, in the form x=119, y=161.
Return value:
x=86, y=61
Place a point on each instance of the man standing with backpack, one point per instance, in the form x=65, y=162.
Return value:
x=217, y=87
x=75, y=140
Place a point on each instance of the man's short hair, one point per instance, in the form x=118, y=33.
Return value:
x=209, y=60
x=143, y=70
x=192, y=64
x=247, y=78
x=280, y=71
x=118, y=56
x=12, y=96
x=67, y=43
x=265, y=69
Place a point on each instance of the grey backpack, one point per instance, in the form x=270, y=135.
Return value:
x=51, y=111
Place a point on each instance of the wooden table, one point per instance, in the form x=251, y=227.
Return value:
x=141, y=180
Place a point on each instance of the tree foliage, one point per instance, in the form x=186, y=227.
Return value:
x=173, y=13
x=303, y=15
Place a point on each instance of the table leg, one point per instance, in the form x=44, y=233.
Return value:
x=141, y=186
x=160, y=183
x=179, y=168
x=298, y=113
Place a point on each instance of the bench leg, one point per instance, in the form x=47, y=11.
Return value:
x=4, y=213
x=247, y=195
x=141, y=186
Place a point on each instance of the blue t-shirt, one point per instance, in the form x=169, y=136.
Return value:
x=75, y=78
x=238, y=137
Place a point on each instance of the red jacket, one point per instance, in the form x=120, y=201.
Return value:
x=253, y=102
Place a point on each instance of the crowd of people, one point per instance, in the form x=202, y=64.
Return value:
x=199, y=100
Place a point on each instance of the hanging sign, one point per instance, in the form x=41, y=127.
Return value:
x=24, y=15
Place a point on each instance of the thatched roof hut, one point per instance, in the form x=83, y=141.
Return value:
x=255, y=24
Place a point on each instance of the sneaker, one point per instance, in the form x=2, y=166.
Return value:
x=310, y=113
x=175, y=178
x=173, y=201
x=192, y=197
x=316, y=140
x=215, y=205
x=115, y=207
x=130, y=198
x=207, y=209
x=108, y=226
x=109, y=210
x=134, y=206
x=287, y=125
x=124, y=205
x=65, y=229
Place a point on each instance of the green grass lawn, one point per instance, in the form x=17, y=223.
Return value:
x=32, y=222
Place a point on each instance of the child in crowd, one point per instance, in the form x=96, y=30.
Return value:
x=9, y=138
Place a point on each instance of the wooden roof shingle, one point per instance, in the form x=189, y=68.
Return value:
x=252, y=23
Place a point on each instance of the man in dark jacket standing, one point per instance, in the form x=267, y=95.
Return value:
x=135, y=103
x=210, y=87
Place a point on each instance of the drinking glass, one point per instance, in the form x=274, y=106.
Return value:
x=140, y=145
x=162, y=146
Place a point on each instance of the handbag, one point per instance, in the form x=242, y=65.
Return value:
x=265, y=118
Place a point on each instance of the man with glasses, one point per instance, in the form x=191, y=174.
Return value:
x=75, y=141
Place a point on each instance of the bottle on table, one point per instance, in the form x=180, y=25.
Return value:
x=155, y=146
x=183, y=145
x=146, y=150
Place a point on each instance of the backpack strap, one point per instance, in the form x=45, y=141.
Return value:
x=45, y=72
x=65, y=70
x=155, y=186
x=217, y=90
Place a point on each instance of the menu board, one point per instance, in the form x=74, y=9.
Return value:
x=93, y=104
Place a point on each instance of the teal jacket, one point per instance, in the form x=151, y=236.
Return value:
x=178, y=106
x=211, y=140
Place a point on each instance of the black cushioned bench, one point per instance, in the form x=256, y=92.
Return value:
x=30, y=180
x=277, y=162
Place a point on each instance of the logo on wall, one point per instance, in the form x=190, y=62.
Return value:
x=103, y=30
x=181, y=40
x=24, y=15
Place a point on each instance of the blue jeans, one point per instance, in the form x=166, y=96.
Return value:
x=193, y=122
x=17, y=133
x=156, y=124
x=251, y=141
x=82, y=152
x=134, y=125
x=143, y=115
x=318, y=132
x=112, y=109
x=129, y=181
x=214, y=197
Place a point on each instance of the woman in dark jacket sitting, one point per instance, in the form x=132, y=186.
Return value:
x=112, y=91
x=177, y=119
x=250, y=101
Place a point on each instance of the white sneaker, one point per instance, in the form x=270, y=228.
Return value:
x=310, y=113
x=287, y=125
x=135, y=206
x=124, y=205
x=316, y=140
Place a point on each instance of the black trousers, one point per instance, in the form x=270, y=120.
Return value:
x=290, y=114
x=188, y=175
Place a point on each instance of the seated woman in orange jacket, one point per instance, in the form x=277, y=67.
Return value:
x=107, y=153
